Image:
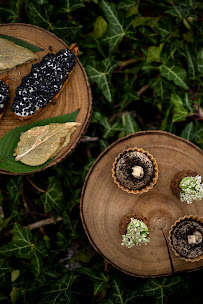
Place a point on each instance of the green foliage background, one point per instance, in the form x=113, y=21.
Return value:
x=144, y=62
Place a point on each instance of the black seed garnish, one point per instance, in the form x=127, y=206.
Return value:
x=45, y=80
x=4, y=95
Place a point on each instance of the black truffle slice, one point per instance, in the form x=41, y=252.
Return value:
x=4, y=95
x=43, y=83
x=124, y=169
x=187, y=238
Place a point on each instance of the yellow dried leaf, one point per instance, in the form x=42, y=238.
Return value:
x=12, y=55
x=39, y=144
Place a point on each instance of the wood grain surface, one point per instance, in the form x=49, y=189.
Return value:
x=75, y=95
x=103, y=204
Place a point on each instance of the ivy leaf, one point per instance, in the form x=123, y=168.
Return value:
x=109, y=130
x=119, y=294
x=178, y=108
x=188, y=132
x=200, y=61
x=71, y=225
x=40, y=14
x=53, y=197
x=13, y=11
x=191, y=62
x=14, y=187
x=118, y=26
x=3, y=298
x=36, y=262
x=14, y=275
x=198, y=134
x=99, y=278
x=66, y=30
x=100, y=27
x=129, y=124
x=161, y=86
x=101, y=74
x=68, y=6
x=161, y=288
x=126, y=4
x=5, y=271
x=154, y=53
x=181, y=11
x=59, y=291
x=175, y=73
x=14, y=294
x=20, y=245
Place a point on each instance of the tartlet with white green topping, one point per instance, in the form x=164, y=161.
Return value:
x=187, y=186
x=134, y=230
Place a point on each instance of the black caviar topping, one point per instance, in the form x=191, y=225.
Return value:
x=4, y=95
x=45, y=80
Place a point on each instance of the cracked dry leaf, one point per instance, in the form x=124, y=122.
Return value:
x=12, y=55
x=39, y=144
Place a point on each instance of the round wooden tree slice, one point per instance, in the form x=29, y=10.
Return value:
x=103, y=204
x=75, y=95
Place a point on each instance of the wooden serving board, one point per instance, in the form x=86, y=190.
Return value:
x=75, y=95
x=103, y=204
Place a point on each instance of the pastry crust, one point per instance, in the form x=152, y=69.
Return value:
x=153, y=179
x=191, y=218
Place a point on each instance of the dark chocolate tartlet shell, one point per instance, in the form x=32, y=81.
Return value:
x=178, y=238
x=123, y=167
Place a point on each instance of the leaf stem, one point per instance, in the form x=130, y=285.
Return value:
x=31, y=182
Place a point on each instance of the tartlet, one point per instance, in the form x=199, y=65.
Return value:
x=134, y=230
x=135, y=171
x=177, y=179
x=186, y=185
x=186, y=238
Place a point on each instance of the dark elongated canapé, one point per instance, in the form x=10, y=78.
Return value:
x=4, y=94
x=44, y=83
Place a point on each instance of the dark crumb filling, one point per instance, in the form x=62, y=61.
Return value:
x=45, y=80
x=180, y=235
x=4, y=95
x=124, y=169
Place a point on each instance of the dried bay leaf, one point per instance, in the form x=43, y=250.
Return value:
x=12, y=55
x=39, y=144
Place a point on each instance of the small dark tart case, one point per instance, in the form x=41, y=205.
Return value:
x=184, y=228
x=144, y=187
